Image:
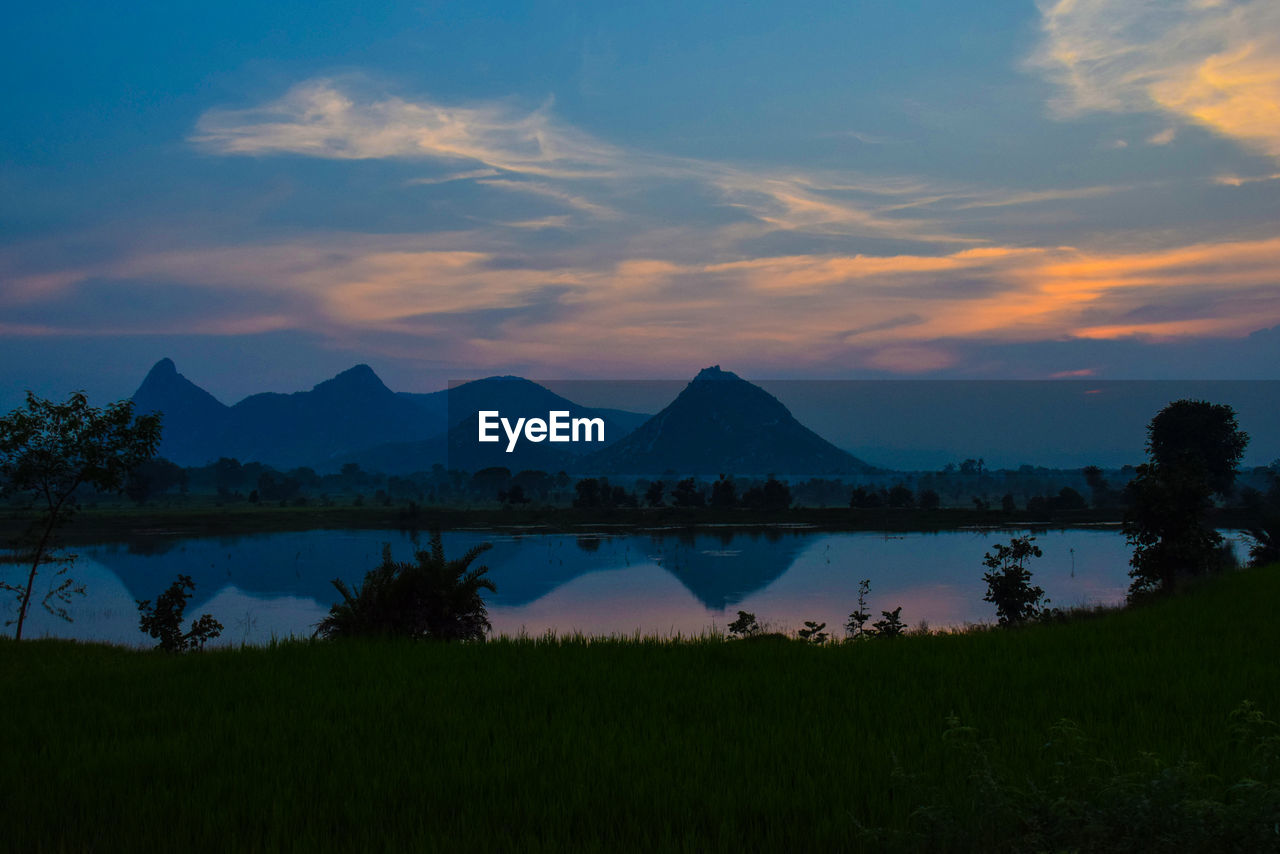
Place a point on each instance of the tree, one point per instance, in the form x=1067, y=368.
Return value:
x=777, y=495
x=430, y=597
x=50, y=451
x=813, y=632
x=587, y=493
x=154, y=477
x=901, y=496
x=724, y=493
x=856, y=626
x=745, y=626
x=1009, y=585
x=687, y=494
x=653, y=495
x=1264, y=529
x=891, y=626
x=1194, y=450
x=164, y=620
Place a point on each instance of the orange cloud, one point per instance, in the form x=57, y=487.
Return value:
x=894, y=313
x=1215, y=64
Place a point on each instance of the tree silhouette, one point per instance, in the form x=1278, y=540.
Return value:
x=163, y=621
x=1194, y=450
x=1009, y=585
x=50, y=450
x=430, y=597
x=724, y=493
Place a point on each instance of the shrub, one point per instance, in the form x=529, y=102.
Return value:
x=1009, y=581
x=891, y=626
x=813, y=632
x=856, y=626
x=430, y=597
x=745, y=626
x=164, y=620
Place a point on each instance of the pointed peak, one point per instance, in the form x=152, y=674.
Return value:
x=714, y=373
x=163, y=368
x=360, y=372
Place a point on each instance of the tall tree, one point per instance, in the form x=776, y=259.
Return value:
x=49, y=450
x=1194, y=450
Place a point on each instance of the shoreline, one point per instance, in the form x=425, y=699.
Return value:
x=120, y=523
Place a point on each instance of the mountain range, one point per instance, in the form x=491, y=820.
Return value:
x=718, y=423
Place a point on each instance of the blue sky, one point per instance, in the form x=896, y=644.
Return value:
x=270, y=193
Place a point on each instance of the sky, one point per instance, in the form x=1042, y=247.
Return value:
x=271, y=193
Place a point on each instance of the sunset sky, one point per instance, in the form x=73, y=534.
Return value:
x=272, y=192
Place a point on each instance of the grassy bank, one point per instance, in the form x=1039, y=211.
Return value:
x=712, y=745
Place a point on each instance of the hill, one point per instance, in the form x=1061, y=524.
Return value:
x=720, y=423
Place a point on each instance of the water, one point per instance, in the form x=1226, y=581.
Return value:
x=275, y=585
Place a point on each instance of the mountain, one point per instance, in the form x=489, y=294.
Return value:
x=721, y=423
x=513, y=397
x=521, y=397
x=354, y=417
x=190, y=414
x=309, y=428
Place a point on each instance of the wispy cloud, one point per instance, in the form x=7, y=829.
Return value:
x=468, y=175
x=1215, y=64
x=319, y=119
x=900, y=313
x=546, y=191
x=531, y=152
x=1241, y=180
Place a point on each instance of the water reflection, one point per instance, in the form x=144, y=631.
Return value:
x=599, y=582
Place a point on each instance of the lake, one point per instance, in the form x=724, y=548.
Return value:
x=600, y=582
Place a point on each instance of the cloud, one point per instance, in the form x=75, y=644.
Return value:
x=468, y=175
x=905, y=313
x=531, y=152
x=1241, y=180
x=1214, y=64
x=564, y=197
x=319, y=119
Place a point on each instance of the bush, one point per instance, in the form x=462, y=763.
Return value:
x=856, y=626
x=1009, y=581
x=891, y=626
x=813, y=632
x=745, y=626
x=164, y=621
x=430, y=597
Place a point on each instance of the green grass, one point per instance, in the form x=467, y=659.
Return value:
x=709, y=745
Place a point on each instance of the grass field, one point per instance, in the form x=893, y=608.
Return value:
x=709, y=745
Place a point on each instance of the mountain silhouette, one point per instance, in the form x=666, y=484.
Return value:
x=354, y=417
x=309, y=428
x=721, y=423
x=514, y=397
x=306, y=428
x=191, y=416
